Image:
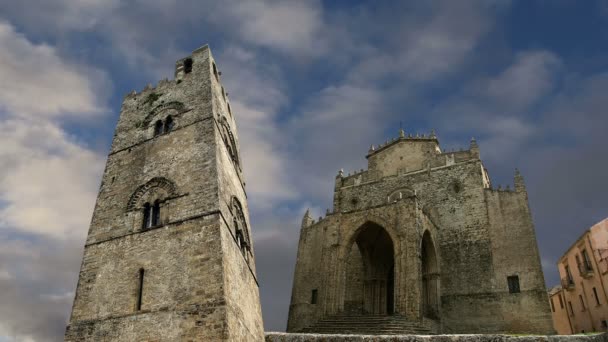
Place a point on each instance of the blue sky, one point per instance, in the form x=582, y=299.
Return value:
x=312, y=85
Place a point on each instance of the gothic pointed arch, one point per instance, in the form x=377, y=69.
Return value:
x=162, y=185
x=430, y=276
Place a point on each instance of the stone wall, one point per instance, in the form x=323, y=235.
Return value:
x=289, y=337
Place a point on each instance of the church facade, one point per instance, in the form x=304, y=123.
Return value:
x=422, y=238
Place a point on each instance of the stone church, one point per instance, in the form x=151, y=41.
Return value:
x=420, y=242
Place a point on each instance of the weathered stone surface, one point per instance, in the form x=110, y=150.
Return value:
x=199, y=281
x=293, y=337
x=455, y=240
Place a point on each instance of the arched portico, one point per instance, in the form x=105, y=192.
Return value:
x=369, y=270
x=430, y=277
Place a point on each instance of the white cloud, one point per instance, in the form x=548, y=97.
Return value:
x=49, y=182
x=530, y=77
x=36, y=81
x=292, y=27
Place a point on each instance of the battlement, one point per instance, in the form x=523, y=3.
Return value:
x=407, y=154
x=182, y=66
x=432, y=137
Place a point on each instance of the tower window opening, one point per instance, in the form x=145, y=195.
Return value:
x=223, y=94
x=168, y=124
x=229, y=111
x=552, y=305
x=513, y=282
x=561, y=302
x=140, y=289
x=155, y=214
x=147, y=222
x=188, y=65
x=217, y=77
x=158, y=128
x=314, y=297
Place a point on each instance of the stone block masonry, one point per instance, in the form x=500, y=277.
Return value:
x=288, y=337
x=169, y=255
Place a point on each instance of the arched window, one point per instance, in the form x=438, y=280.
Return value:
x=151, y=215
x=240, y=227
x=168, y=124
x=158, y=128
x=156, y=213
x=147, y=222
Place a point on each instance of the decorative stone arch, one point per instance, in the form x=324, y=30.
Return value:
x=164, y=187
x=241, y=229
x=229, y=141
x=172, y=108
x=400, y=193
x=391, y=304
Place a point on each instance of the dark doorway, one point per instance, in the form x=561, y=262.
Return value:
x=430, y=278
x=370, y=275
x=390, y=291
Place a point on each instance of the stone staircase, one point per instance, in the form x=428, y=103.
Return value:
x=371, y=325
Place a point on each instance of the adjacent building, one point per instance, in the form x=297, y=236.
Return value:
x=583, y=298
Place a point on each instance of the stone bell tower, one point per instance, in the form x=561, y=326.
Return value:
x=169, y=255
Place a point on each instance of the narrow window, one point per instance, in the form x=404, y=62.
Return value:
x=158, y=128
x=315, y=294
x=513, y=282
x=597, y=299
x=223, y=94
x=140, y=289
x=168, y=124
x=188, y=65
x=569, y=275
x=578, y=263
x=582, y=302
x=147, y=219
x=570, y=307
x=217, y=78
x=586, y=260
x=604, y=324
x=561, y=302
x=155, y=214
x=552, y=305
x=229, y=111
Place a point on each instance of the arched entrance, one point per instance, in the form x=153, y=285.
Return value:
x=369, y=283
x=430, y=278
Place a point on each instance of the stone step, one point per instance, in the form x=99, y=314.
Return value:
x=371, y=325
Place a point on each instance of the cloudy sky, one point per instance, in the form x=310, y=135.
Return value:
x=312, y=85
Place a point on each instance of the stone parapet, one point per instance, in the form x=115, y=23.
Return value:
x=289, y=337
